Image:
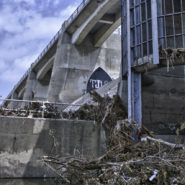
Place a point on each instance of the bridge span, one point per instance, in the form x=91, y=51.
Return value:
x=84, y=43
x=74, y=53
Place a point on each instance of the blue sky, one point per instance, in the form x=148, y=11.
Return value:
x=26, y=27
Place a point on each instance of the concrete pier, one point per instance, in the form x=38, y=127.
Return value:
x=74, y=64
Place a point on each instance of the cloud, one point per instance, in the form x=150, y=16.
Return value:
x=56, y=2
x=68, y=11
x=32, y=2
x=2, y=65
x=24, y=32
x=14, y=72
x=23, y=26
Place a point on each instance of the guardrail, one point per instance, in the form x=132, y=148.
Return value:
x=55, y=109
x=54, y=39
x=41, y=102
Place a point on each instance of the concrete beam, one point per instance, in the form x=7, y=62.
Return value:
x=21, y=93
x=106, y=30
x=47, y=66
x=13, y=104
x=30, y=83
x=107, y=19
x=86, y=27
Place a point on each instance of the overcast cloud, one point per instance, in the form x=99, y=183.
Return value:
x=26, y=27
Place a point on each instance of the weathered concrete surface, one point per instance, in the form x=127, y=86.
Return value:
x=74, y=65
x=24, y=141
x=163, y=99
x=172, y=138
x=29, y=88
x=27, y=182
x=81, y=32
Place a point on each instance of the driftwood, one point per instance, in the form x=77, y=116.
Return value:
x=175, y=146
x=149, y=161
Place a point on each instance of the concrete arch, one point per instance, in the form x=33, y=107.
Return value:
x=47, y=66
x=103, y=8
x=21, y=93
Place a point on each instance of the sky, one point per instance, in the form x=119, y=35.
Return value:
x=26, y=27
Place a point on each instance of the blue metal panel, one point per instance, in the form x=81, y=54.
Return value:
x=133, y=78
x=124, y=39
x=137, y=99
x=130, y=97
x=155, y=43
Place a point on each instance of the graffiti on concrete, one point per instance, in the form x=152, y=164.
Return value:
x=98, y=79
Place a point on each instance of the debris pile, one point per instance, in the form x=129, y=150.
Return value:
x=33, y=110
x=172, y=56
x=103, y=110
x=134, y=155
x=149, y=161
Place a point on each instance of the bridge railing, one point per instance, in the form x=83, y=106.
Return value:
x=54, y=39
x=39, y=109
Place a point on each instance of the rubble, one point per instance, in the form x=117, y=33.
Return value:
x=168, y=57
x=148, y=161
x=134, y=156
x=104, y=110
x=172, y=56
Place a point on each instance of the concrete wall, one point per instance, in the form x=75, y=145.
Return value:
x=163, y=99
x=27, y=182
x=24, y=141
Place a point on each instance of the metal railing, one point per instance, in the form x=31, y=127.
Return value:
x=54, y=39
x=58, y=107
x=41, y=102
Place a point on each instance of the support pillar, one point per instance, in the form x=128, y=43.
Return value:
x=29, y=88
x=13, y=104
x=136, y=112
x=72, y=67
x=133, y=78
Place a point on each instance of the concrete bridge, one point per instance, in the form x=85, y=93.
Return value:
x=74, y=53
x=61, y=72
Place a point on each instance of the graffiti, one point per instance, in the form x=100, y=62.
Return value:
x=98, y=79
x=95, y=84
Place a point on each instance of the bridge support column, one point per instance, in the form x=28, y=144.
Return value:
x=13, y=104
x=71, y=70
x=29, y=88
x=133, y=78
